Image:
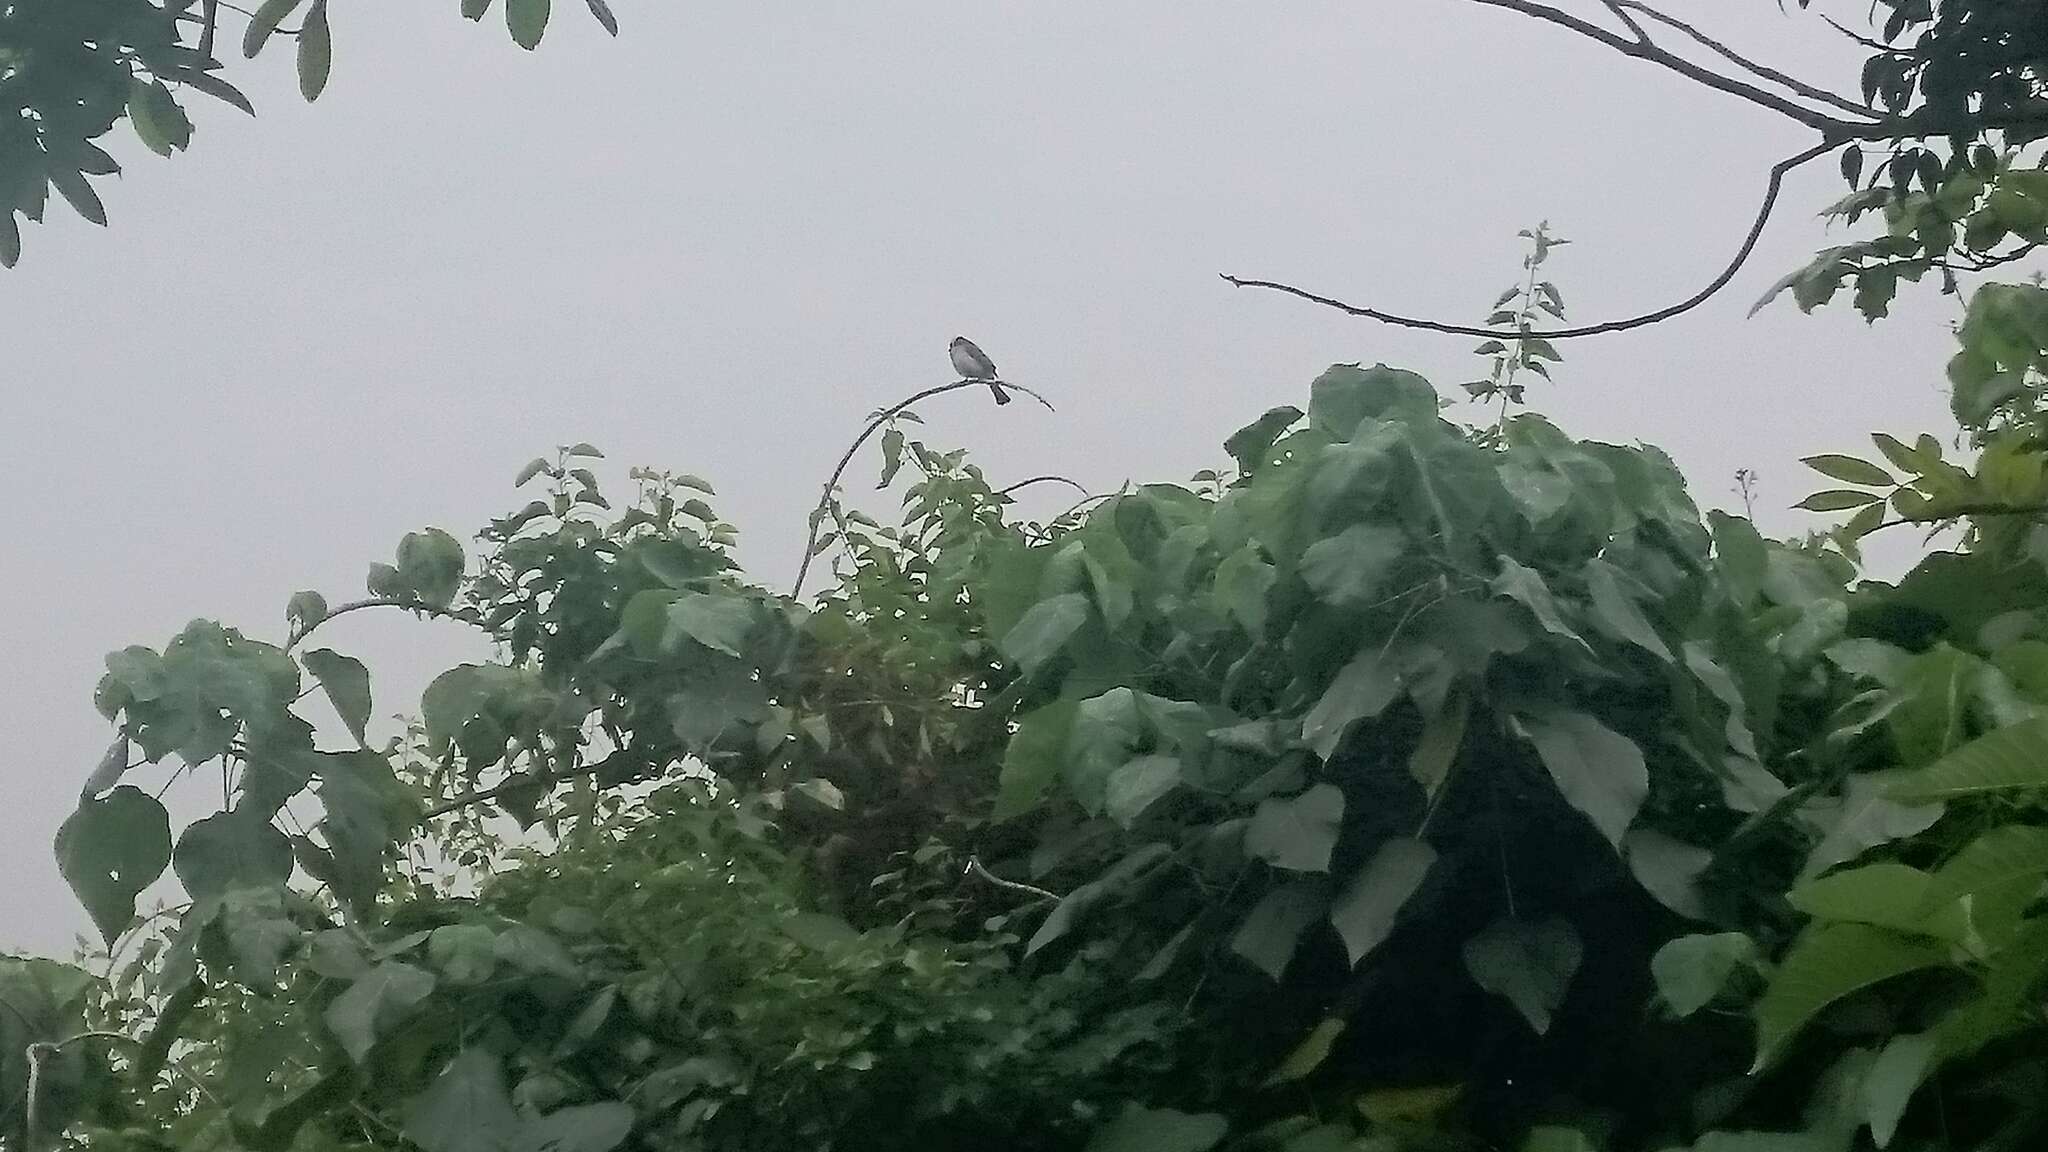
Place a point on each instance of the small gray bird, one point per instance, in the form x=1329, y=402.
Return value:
x=973, y=364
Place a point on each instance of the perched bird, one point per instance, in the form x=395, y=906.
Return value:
x=973, y=364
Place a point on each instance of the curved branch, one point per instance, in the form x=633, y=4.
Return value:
x=880, y=418
x=1047, y=479
x=1756, y=231
x=1644, y=50
x=1958, y=511
x=1620, y=10
x=1790, y=83
x=460, y=614
x=975, y=870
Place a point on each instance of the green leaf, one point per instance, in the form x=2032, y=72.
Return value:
x=1527, y=586
x=109, y=850
x=1998, y=873
x=1551, y=1138
x=1309, y=1054
x=1044, y=630
x=527, y=20
x=1347, y=395
x=1364, y=914
x=1081, y=901
x=1849, y=469
x=1272, y=930
x=1251, y=444
x=367, y=812
x=1529, y=964
x=1140, y=1129
x=2009, y=759
x=1298, y=833
x=1824, y=966
x=316, y=52
x=534, y=467
x=159, y=122
x=821, y=792
x=1350, y=568
x=603, y=12
x=1837, y=499
x=347, y=684
x=78, y=193
x=1890, y=1082
x=1668, y=869
x=229, y=850
x=1617, y=613
x=1361, y=690
x=596, y=1127
x=1741, y=554
x=430, y=565
x=263, y=24
x=1885, y=894
x=1243, y=581
x=465, y=1109
x=1031, y=763
x=1862, y=818
x=721, y=623
x=1138, y=785
x=1692, y=970
x=10, y=239
x=464, y=954
x=1597, y=770
x=373, y=1006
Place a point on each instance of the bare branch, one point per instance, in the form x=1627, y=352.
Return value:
x=975, y=870
x=1644, y=50
x=1756, y=230
x=462, y=614
x=1958, y=511
x=508, y=784
x=1620, y=11
x=1076, y=486
x=1792, y=83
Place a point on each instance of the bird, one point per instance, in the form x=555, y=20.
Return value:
x=973, y=364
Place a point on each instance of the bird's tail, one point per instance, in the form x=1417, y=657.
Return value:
x=1001, y=394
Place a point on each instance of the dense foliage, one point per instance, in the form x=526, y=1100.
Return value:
x=1409, y=786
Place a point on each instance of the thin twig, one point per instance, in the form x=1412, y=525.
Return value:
x=1644, y=50
x=461, y=614
x=1620, y=11
x=880, y=418
x=509, y=784
x=209, y=23
x=1958, y=511
x=1792, y=83
x=975, y=870
x=1756, y=231
x=1047, y=479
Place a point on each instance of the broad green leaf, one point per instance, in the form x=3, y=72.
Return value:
x=259, y=932
x=1716, y=680
x=1862, y=818
x=534, y=467
x=347, y=684
x=532, y=950
x=1031, y=763
x=1617, y=613
x=304, y=610
x=1140, y=1129
x=596, y=1127
x=1825, y=965
x=1361, y=690
x=1243, y=581
x=1443, y=734
x=230, y=850
x=527, y=20
x=375, y=1004
x=1347, y=395
x=263, y=24
x=465, y=1109
x=1692, y=970
x=1139, y=784
x=430, y=565
x=109, y=850
x=821, y=792
x=718, y=622
x=463, y=954
x=1848, y=469
x=1890, y=1082
x=1365, y=912
x=1045, y=630
x=316, y=52
x=1551, y=1138
x=1998, y=874
x=1408, y=1105
x=1083, y=900
x=1309, y=1054
x=1668, y=869
x=1741, y=556
x=1297, y=833
x=1529, y=964
x=161, y=125
x=1250, y=444
x=1272, y=929
x=1873, y=659
x=1598, y=771
x=108, y=772
x=367, y=812
x=1885, y=894
x=77, y=192
x=2013, y=758
x=1105, y=734
x=1350, y=568
x=1527, y=586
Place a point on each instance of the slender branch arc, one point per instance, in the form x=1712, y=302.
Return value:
x=1756, y=231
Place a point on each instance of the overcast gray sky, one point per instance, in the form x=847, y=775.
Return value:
x=716, y=242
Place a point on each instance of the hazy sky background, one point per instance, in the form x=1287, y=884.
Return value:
x=716, y=242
